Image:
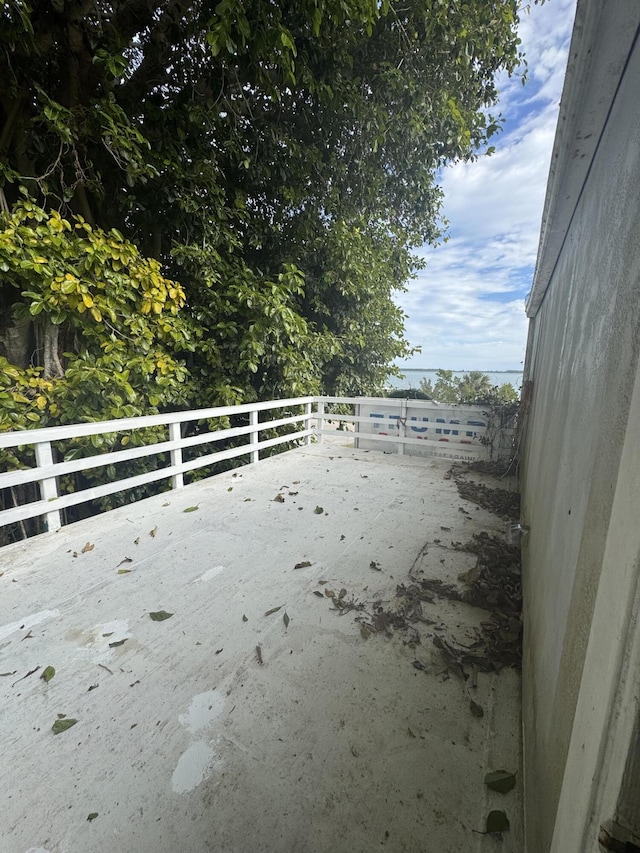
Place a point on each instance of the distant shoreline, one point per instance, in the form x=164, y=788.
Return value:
x=413, y=377
x=436, y=369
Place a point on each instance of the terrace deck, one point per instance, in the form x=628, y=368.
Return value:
x=184, y=740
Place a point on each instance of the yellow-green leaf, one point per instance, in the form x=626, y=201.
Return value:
x=48, y=673
x=62, y=725
x=160, y=615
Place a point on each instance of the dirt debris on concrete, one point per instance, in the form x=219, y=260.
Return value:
x=493, y=584
x=501, y=502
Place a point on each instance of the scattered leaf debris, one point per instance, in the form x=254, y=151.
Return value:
x=476, y=709
x=497, y=821
x=245, y=618
x=191, y=508
x=315, y=592
x=259, y=654
x=160, y=615
x=500, y=502
x=285, y=619
x=279, y=499
x=375, y=566
x=273, y=610
x=31, y=672
x=318, y=510
x=92, y=816
x=125, y=560
x=62, y=724
x=152, y=533
x=88, y=547
x=47, y=674
x=218, y=651
x=501, y=781
x=303, y=565
x=117, y=643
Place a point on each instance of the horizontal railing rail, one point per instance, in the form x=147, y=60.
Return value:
x=390, y=424
x=46, y=472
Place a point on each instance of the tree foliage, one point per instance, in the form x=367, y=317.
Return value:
x=87, y=293
x=277, y=159
x=473, y=387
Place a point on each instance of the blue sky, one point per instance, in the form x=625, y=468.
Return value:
x=466, y=309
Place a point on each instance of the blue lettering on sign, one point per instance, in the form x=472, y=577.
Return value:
x=394, y=419
x=418, y=429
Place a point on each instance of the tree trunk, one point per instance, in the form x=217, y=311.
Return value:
x=49, y=333
x=16, y=342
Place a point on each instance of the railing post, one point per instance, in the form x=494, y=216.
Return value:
x=402, y=427
x=320, y=419
x=254, y=435
x=307, y=422
x=175, y=434
x=48, y=486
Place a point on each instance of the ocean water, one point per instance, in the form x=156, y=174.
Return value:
x=412, y=378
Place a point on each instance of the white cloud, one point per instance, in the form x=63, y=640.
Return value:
x=466, y=309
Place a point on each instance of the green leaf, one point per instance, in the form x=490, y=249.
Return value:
x=191, y=508
x=62, y=725
x=497, y=821
x=160, y=615
x=273, y=610
x=501, y=781
x=48, y=674
x=92, y=816
x=286, y=619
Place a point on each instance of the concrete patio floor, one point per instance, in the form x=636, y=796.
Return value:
x=184, y=741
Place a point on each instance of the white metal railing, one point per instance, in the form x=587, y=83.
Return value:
x=392, y=424
x=46, y=472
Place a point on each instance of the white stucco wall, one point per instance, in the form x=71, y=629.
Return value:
x=583, y=360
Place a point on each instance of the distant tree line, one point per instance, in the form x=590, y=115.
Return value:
x=474, y=387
